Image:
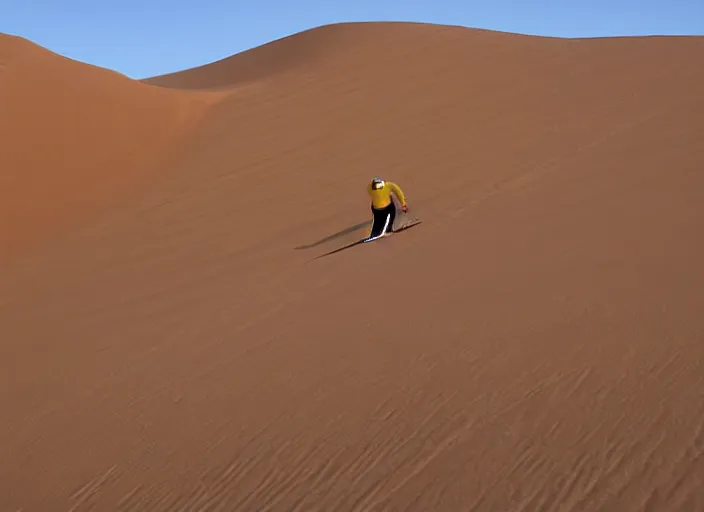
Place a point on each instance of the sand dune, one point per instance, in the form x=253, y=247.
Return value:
x=535, y=344
x=74, y=139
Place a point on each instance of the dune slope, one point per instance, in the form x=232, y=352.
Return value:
x=75, y=138
x=535, y=344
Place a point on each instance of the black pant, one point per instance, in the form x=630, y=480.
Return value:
x=383, y=218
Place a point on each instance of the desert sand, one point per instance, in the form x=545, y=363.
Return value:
x=168, y=340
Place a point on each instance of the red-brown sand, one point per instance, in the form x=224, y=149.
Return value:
x=168, y=342
x=74, y=139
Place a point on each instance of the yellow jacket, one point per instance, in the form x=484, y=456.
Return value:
x=381, y=198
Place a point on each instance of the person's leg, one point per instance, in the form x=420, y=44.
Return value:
x=392, y=217
x=386, y=220
x=383, y=220
x=378, y=220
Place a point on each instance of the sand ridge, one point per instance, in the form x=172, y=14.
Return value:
x=535, y=344
x=76, y=138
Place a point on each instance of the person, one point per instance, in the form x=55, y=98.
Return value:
x=383, y=207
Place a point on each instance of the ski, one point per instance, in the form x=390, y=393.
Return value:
x=369, y=239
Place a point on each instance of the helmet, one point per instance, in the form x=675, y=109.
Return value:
x=377, y=183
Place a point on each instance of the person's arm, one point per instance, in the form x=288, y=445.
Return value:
x=398, y=192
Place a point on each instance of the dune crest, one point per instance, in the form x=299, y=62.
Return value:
x=534, y=344
x=303, y=52
x=75, y=138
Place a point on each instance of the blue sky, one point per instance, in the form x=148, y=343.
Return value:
x=142, y=38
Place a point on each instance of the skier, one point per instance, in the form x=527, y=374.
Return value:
x=383, y=207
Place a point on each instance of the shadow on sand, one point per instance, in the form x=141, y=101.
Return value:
x=339, y=234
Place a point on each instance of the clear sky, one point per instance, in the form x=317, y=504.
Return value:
x=142, y=38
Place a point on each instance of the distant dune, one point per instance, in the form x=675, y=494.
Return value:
x=169, y=343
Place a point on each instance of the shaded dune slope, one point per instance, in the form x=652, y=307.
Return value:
x=74, y=139
x=535, y=344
